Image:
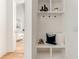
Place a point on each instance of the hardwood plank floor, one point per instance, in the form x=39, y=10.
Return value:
x=19, y=54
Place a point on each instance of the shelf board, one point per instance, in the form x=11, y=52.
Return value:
x=20, y=2
x=49, y=46
x=51, y=12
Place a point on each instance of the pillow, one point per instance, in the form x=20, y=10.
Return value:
x=51, y=39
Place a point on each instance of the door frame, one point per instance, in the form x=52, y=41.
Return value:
x=10, y=16
x=28, y=28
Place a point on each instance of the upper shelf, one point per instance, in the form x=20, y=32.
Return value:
x=52, y=6
x=49, y=46
x=51, y=12
x=20, y=1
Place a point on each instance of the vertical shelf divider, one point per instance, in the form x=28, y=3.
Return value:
x=50, y=5
x=50, y=53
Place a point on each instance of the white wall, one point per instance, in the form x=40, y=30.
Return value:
x=3, y=27
x=49, y=25
x=11, y=25
x=71, y=29
x=28, y=29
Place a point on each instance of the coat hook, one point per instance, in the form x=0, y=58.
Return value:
x=49, y=16
x=43, y=16
x=55, y=16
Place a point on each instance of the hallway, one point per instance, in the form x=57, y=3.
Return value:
x=19, y=54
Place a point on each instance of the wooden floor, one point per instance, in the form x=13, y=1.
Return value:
x=19, y=54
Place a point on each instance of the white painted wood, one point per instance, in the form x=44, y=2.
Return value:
x=11, y=10
x=52, y=12
x=50, y=5
x=50, y=24
x=14, y=25
x=71, y=20
x=20, y=1
x=43, y=53
x=3, y=27
x=28, y=29
x=43, y=56
x=49, y=46
x=34, y=27
x=57, y=4
x=51, y=53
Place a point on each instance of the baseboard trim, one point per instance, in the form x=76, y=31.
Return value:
x=5, y=53
x=2, y=54
x=12, y=51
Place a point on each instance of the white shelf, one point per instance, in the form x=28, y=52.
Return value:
x=49, y=54
x=55, y=8
x=51, y=12
x=49, y=46
x=20, y=2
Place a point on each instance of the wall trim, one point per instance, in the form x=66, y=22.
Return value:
x=2, y=54
x=5, y=53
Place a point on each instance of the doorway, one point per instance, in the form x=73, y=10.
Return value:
x=15, y=48
x=19, y=32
